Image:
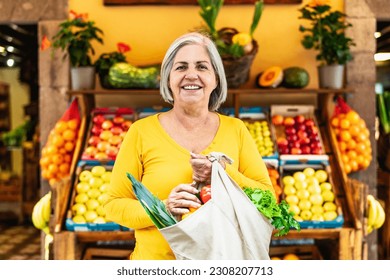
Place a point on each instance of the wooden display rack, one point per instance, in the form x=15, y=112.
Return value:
x=351, y=193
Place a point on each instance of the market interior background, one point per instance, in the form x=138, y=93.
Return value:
x=19, y=60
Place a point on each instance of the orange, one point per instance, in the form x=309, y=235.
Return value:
x=351, y=144
x=344, y=158
x=352, y=154
x=62, y=151
x=69, y=146
x=51, y=150
x=67, y=158
x=69, y=135
x=57, y=140
x=290, y=256
x=345, y=124
x=52, y=168
x=354, y=165
x=64, y=168
x=361, y=137
x=73, y=124
x=360, y=160
x=353, y=117
x=347, y=168
x=335, y=122
x=345, y=135
x=60, y=127
x=44, y=162
x=57, y=159
x=342, y=146
x=354, y=130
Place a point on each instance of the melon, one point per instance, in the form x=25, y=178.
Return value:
x=295, y=77
x=270, y=78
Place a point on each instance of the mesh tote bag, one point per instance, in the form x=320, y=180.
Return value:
x=227, y=227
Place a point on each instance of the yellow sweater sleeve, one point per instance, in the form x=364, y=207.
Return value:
x=252, y=171
x=122, y=206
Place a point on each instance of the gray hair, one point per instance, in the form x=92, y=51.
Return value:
x=219, y=94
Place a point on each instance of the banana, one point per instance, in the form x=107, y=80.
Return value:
x=46, y=207
x=381, y=216
x=37, y=219
x=372, y=211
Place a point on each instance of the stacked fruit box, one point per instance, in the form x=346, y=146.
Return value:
x=295, y=252
x=105, y=134
x=298, y=135
x=258, y=123
x=310, y=192
x=86, y=212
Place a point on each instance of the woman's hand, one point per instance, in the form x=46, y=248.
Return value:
x=181, y=198
x=201, y=167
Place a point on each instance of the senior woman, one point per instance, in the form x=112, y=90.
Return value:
x=167, y=151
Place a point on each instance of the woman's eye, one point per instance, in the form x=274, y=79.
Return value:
x=181, y=67
x=203, y=67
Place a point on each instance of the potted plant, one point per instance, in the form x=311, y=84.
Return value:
x=326, y=34
x=75, y=36
x=237, y=49
x=106, y=60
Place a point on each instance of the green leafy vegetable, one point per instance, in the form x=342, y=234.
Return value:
x=153, y=206
x=279, y=214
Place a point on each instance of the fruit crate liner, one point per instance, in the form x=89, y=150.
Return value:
x=338, y=222
x=291, y=111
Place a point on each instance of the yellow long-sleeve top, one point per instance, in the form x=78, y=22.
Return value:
x=155, y=159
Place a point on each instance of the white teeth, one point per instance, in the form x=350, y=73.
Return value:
x=191, y=87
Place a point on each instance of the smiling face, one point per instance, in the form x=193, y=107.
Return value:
x=192, y=78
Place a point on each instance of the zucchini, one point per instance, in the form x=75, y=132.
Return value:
x=383, y=113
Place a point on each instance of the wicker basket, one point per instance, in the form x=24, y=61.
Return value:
x=238, y=70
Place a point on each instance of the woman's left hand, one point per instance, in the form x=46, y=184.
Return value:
x=201, y=167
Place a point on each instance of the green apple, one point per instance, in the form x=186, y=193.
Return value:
x=95, y=182
x=104, y=188
x=306, y=215
x=292, y=199
x=328, y=195
x=90, y=216
x=289, y=189
x=329, y=206
x=304, y=204
x=99, y=220
x=299, y=176
x=321, y=175
x=330, y=215
x=295, y=209
x=326, y=186
x=100, y=211
x=316, y=199
x=78, y=219
x=79, y=209
x=288, y=180
x=106, y=176
x=309, y=172
x=92, y=204
x=102, y=198
x=93, y=193
x=317, y=217
x=303, y=194
x=81, y=198
x=98, y=170
x=317, y=209
x=85, y=175
x=82, y=187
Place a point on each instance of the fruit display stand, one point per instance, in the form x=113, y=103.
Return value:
x=348, y=239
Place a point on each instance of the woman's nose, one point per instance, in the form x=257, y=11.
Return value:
x=191, y=74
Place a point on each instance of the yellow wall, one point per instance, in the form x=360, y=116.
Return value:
x=150, y=29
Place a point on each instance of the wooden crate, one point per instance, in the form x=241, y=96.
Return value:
x=11, y=190
x=304, y=252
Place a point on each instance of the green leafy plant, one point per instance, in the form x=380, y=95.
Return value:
x=106, y=60
x=278, y=213
x=75, y=36
x=229, y=41
x=326, y=33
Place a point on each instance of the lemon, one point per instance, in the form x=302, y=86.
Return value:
x=314, y=189
x=316, y=199
x=292, y=199
x=90, y=216
x=78, y=219
x=242, y=39
x=303, y=194
x=92, y=204
x=321, y=175
x=99, y=220
x=306, y=215
x=299, y=176
x=326, y=186
x=317, y=209
x=329, y=206
x=317, y=217
x=295, y=209
x=288, y=180
x=299, y=185
x=81, y=198
x=79, y=209
x=330, y=215
x=309, y=172
x=328, y=195
x=304, y=204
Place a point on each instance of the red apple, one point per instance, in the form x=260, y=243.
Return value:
x=306, y=150
x=304, y=141
x=309, y=122
x=299, y=119
x=302, y=134
x=317, y=151
x=277, y=119
x=300, y=126
x=103, y=145
x=117, y=120
x=96, y=130
x=292, y=138
x=282, y=142
x=94, y=140
x=289, y=121
x=112, y=151
x=315, y=145
x=98, y=119
x=290, y=130
x=126, y=125
x=115, y=140
x=116, y=130
x=296, y=151
x=107, y=124
x=294, y=144
x=284, y=150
